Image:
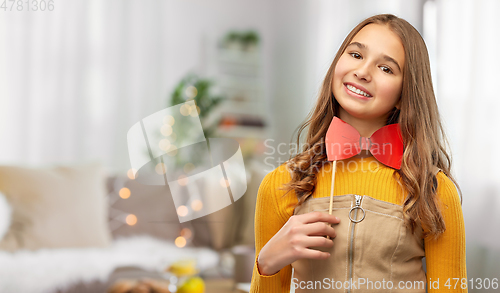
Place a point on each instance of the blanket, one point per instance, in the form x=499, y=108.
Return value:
x=46, y=270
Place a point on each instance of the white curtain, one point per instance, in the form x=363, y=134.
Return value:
x=73, y=80
x=468, y=41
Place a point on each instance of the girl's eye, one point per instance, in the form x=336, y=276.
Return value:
x=386, y=69
x=355, y=55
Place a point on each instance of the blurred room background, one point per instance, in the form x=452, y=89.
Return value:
x=75, y=79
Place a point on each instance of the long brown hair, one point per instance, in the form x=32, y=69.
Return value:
x=418, y=117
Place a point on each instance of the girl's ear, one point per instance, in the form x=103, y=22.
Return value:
x=398, y=104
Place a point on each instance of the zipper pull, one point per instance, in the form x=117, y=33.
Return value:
x=357, y=202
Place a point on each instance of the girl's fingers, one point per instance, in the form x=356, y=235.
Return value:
x=318, y=217
x=317, y=229
x=324, y=230
x=317, y=241
x=315, y=254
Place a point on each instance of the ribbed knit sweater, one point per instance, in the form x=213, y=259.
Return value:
x=445, y=257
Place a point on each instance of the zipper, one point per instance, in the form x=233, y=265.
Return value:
x=354, y=221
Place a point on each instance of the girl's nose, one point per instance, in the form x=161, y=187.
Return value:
x=363, y=73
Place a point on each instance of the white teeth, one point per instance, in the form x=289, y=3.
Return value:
x=357, y=91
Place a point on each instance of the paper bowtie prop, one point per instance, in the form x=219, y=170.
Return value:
x=344, y=141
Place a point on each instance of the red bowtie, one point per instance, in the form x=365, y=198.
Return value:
x=344, y=141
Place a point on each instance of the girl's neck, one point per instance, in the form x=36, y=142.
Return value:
x=365, y=127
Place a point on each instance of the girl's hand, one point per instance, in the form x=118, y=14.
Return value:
x=293, y=239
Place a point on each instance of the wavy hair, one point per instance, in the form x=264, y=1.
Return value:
x=419, y=119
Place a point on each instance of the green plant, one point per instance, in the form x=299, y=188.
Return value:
x=233, y=37
x=249, y=38
x=198, y=89
x=246, y=39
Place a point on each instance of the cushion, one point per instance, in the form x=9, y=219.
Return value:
x=55, y=207
x=156, y=215
x=152, y=205
x=155, y=212
x=234, y=224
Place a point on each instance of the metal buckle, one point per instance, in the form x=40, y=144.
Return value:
x=353, y=220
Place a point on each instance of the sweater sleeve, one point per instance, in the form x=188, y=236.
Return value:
x=268, y=221
x=445, y=256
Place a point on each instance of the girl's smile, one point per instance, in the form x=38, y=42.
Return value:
x=368, y=78
x=357, y=91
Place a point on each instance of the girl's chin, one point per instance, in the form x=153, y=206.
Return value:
x=354, y=112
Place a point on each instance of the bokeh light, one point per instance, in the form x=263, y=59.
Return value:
x=166, y=130
x=182, y=180
x=130, y=173
x=160, y=168
x=191, y=92
x=186, y=233
x=169, y=120
x=196, y=205
x=180, y=241
x=124, y=193
x=131, y=220
x=224, y=183
x=172, y=151
x=195, y=111
x=164, y=145
x=185, y=110
x=182, y=211
x=188, y=167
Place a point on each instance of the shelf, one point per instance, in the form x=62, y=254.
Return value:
x=250, y=58
x=239, y=76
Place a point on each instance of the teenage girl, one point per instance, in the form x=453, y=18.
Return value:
x=359, y=223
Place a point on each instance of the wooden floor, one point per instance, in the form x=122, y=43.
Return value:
x=212, y=285
x=219, y=286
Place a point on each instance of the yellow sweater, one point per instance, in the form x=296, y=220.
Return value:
x=445, y=257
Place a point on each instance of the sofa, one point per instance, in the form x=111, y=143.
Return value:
x=77, y=229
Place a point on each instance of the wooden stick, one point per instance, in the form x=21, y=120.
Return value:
x=334, y=167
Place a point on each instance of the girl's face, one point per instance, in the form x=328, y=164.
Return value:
x=368, y=77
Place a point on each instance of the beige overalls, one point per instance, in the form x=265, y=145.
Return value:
x=373, y=250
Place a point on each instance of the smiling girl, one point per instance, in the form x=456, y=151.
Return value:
x=382, y=212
